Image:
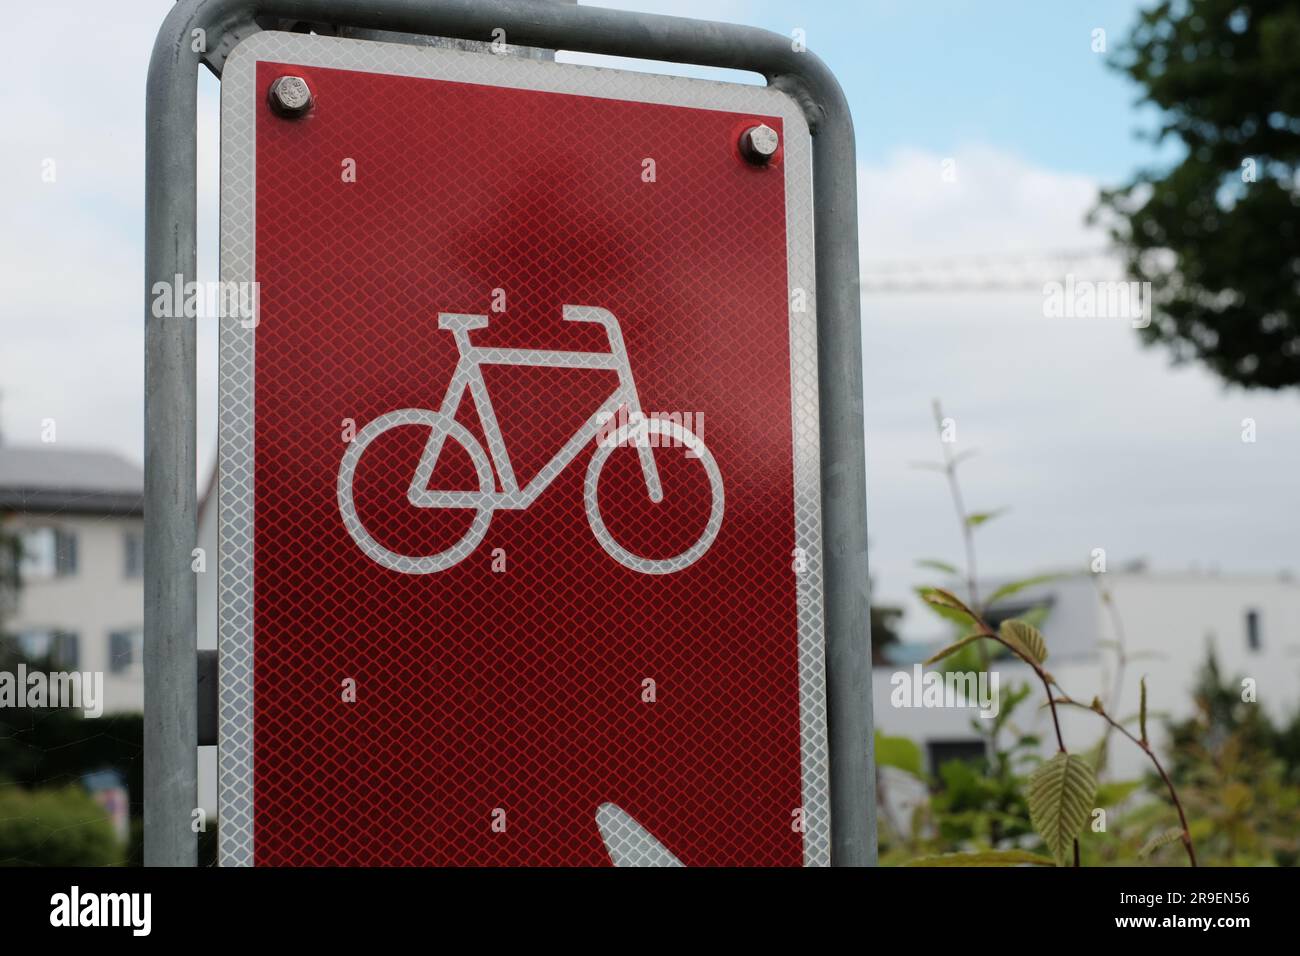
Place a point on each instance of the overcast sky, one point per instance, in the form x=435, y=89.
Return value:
x=1090, y=440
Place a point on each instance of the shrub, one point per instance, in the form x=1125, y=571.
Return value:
x=63, y=827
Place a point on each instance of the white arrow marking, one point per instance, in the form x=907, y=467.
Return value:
x=627, y=842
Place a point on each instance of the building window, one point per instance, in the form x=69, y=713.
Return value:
x=11, y=551
x=961, y=751
x=1253, y=639
x=1025, y=610
x=65, y=553
x=51, y=648
x=37, y=549
x=126, y=651
x=47, y=553
x=133, y=542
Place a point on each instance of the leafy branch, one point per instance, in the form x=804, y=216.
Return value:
x=1185, y=834
x=1060, y=790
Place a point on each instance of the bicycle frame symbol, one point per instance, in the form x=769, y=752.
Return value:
x=442, y=425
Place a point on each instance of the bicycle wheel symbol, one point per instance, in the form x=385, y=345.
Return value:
x=424, y=564
x=483, y=501
x=641, y=432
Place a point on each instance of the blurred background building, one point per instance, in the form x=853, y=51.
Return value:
x=72, y=598
x=1157, y=625
x=77, y=516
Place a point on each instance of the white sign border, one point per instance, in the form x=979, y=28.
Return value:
x=239, y=106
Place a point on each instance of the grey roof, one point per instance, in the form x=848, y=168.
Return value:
x=48, y=478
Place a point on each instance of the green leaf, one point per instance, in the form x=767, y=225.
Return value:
x=899, y=753
x=1172, y=835
x=947, y=613
x=1235, y=797
x=939, y=598
x=1014, y=587
x=977, y=518
x=1116, y=792
x=1142, y=711
x=1025, y=637
x=936, y=565
x=953, y=648
x=984, y=858
x=1061, y=795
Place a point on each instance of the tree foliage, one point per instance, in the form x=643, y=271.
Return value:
x=55, y=827
x=1218, y=234
x=48, y=751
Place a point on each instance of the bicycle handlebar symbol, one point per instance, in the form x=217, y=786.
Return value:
x=442, y=425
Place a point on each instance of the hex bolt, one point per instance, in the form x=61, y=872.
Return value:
x=290, y=97
x=758, y=144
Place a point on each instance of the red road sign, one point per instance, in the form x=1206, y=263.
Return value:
x=520, y=528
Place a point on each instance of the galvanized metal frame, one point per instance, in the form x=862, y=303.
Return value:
x=170, y=243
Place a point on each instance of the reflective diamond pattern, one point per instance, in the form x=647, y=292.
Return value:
x=498, y=708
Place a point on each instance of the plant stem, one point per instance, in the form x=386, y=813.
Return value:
x=1146, y=748
x=1121, y=655
x=1043, y=676
x=1047, y=688
x=972, y=575
x=959, y=504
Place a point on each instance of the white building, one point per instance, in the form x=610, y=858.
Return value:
x=1165, y=623
x=79, y=518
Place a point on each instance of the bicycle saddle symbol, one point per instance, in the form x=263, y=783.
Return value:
x=442, y=425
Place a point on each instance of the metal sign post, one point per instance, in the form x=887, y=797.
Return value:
x=633, y=350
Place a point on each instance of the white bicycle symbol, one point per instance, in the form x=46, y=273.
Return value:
x=442, y=424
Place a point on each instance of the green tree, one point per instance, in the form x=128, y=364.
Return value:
x=1231, y=764
x=62, y=827
x=1218, y=234
x=45, y=749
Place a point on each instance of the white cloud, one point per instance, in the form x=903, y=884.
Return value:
x=993, y=202
x=1092, y=440
x=71, y=249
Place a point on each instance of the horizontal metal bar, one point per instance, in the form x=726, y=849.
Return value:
x=549, y=26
